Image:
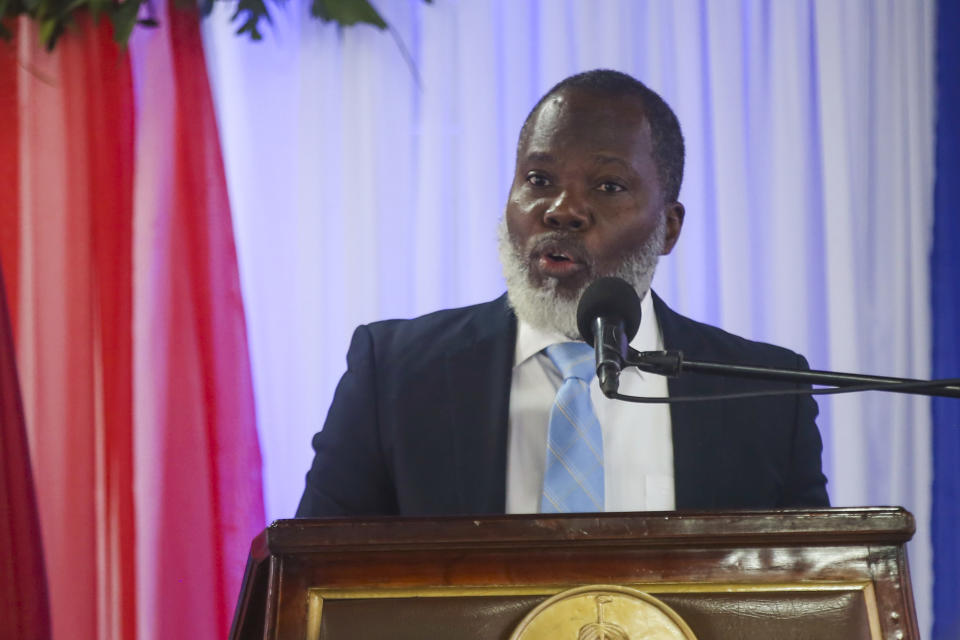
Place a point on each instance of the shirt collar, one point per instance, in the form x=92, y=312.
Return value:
x=531, y=340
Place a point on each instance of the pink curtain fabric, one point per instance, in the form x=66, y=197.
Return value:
x=72, y=307
x=195, y=428
x=24, y=607
x=130, y=334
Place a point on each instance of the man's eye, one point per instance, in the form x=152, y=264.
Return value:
x=538, y=180
x=611, y=187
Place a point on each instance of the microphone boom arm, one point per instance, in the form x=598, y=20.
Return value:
x=672, y=363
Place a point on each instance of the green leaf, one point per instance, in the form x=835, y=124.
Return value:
x=76, y=4
x=96, y=6
x=250, y=26
x=254, y=10
x=53, y=16
x=347, y=12
x=50, y=30
x=124, y=17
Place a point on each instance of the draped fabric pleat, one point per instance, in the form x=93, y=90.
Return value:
x=73, y=309
x=363, y=191
x=9, y=168
x=24, y=603
x=195, y=431
x=130, y=333
x=945, y=273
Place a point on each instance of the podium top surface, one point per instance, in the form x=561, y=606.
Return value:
x=878, y=525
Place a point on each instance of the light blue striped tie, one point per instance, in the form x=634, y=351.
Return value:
x=573, y=480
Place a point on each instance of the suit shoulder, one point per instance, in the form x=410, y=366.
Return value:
x=721, y=344
x=440, y=330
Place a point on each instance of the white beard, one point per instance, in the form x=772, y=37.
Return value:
x=546, y=309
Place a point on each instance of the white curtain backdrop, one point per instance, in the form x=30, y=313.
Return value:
x=361, y=192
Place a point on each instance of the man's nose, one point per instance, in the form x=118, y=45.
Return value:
x=569, y=211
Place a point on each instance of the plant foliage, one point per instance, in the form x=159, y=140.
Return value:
x=54, y=16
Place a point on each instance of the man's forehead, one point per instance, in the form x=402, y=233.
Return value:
x=575, y=116
x=591, y=106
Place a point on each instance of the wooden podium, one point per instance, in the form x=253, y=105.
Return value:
x=784, y=575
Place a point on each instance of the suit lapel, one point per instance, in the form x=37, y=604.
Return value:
x=696, y=426
x=477, y=397
x=478, y=392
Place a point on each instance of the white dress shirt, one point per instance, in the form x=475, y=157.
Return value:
x=637, y=443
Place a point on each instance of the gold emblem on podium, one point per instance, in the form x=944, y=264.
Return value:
x=602, y=612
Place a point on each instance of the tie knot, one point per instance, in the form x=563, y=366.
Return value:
x=573, y=359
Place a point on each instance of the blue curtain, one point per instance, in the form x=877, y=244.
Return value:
x=945, y=282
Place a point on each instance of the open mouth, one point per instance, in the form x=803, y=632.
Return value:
x=556, y=262
x=555, y=256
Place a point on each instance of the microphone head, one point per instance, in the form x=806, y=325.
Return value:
x=608, y=297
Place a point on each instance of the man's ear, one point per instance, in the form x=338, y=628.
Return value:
x=674, y=212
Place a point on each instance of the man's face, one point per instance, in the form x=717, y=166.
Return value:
x=586, y=196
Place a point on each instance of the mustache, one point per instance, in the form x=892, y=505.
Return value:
x=571, y=244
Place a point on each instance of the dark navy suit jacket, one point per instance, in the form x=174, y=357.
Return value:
x=418, y=424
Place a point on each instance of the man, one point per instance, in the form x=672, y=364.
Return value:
x=452, y=412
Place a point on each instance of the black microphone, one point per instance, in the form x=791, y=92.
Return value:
x=608, y=317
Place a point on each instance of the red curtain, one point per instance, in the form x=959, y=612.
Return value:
x=129, y=331
x=23, y=583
